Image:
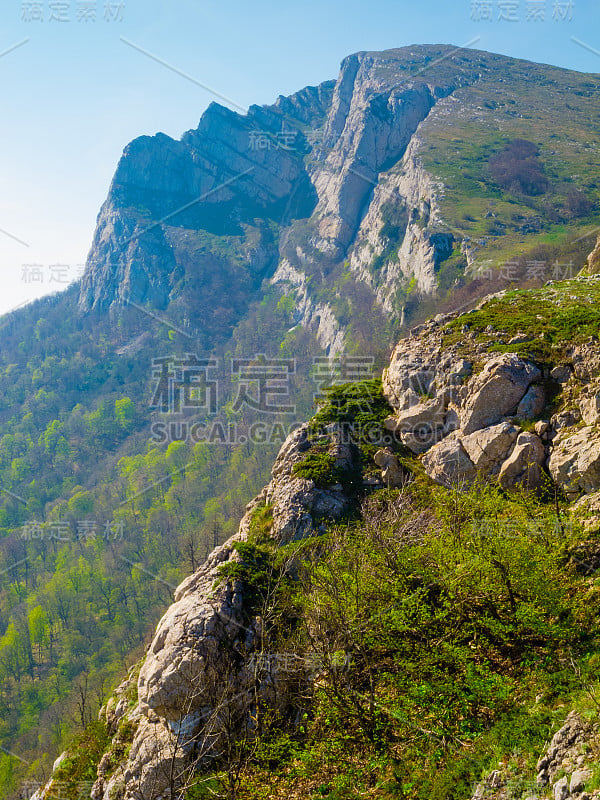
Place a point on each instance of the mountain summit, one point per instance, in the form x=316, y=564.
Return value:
x=418, y=171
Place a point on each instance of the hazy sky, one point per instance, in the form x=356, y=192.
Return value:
x=74, y=92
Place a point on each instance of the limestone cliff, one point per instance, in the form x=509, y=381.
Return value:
x=356, y=175
x=517, y=416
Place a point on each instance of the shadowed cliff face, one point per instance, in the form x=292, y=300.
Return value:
x=230, y=180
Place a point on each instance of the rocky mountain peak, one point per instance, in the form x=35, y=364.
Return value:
x=354, y=174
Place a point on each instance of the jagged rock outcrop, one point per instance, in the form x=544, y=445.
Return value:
x=563, y=770
x=468, y=414
x=411, y=195
x=371, y=124
x=199, y=655
x=589, y=404
x=217, y=179
x=327, y=184
x=172, y=202
x=488, y=448
x=496, y=392
x=524, y=466
x=575, y=461
x=465, y=417
x=468, y=426
x=392, y=473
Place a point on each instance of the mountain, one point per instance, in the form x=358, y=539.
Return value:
x=418, y=171
x=233, y=274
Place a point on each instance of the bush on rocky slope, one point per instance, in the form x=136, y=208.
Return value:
x=440, y=633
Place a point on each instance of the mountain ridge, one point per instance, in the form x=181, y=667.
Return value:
x=332, y=173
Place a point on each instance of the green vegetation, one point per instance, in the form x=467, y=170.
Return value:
x=318, y=467
x=359, y=410
x=550, y=319
x=261, y=524
x=257, y=563
x=447, y=632
x=98, y=523
x=519, y=188
x=77, y=772
x=354, y=414
x=254, y=570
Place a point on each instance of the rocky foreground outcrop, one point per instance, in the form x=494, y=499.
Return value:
x=563, y=772
x=496, y=415
x=197, y=671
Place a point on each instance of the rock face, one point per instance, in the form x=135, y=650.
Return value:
x=414, y=194
x=200, y=653
x=467, y=424
x=448, y=463
x=468, y=428
x=496, y=392
x=170, y=201
x=370, y=125
x=392, y=474
x=593, y=262
x=296, y=502
x=315, y=316
x=331, y=179
x=589, y=404
x=575, y=461
x=524, y=465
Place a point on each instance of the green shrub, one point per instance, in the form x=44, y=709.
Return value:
x=359, y=410
x=81, y=763
x=261, y=523
x=318, y=467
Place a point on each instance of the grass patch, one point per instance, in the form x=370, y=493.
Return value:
x=554, y=318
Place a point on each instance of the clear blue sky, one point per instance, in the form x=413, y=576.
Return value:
x=74, y=94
